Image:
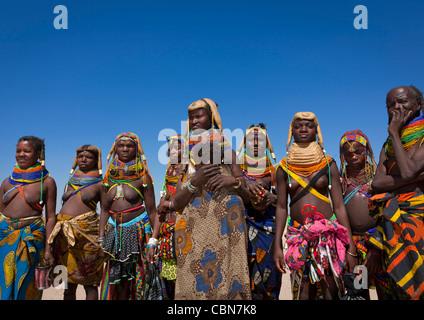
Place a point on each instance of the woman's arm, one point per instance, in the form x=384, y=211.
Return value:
x=104, y=211
x=2, y=192
x=150, y=204
x=50, y=211
x=280, y=220
x=341, y=214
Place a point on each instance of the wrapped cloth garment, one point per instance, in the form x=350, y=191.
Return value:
x=20, y=251
x=362, y=246
x=76, y=247
x=265, y=278
x=211, y=246
x=400, y=236
x=315, y=249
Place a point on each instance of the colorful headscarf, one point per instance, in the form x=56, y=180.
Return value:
x=351, y=137
x=262, y=165
x=118, y=171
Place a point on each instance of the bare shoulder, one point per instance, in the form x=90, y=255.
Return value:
x=49, y=182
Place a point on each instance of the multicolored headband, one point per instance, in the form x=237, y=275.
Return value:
x=355, y=136
x=179, y=138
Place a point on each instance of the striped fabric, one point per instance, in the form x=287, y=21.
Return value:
x=400, y=234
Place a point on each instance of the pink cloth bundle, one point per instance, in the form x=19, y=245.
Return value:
x=326, y=240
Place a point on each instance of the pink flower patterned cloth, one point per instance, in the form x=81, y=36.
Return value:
x=325, y=239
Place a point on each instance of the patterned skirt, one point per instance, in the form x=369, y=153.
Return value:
x=20, y=251
x=126, y=245
x=75, y=246
x=265, y=278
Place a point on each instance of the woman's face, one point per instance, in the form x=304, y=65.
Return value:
x=255, y=144
x=304, y=131
x=199, y=119
x=402, y=100
x=174, y=151
x=86, y=160
x=126, y=150
x=26, y=156
x=354, y=154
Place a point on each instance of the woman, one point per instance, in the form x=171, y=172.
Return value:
x=130, y=212
x=210, y=233
x=76, y=232
x=316, y=243
x=398, y=203
x=166, y=251
x=23, y=232
x=357, y=170
x=256, y=155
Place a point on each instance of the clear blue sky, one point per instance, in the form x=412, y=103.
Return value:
x=137, y=65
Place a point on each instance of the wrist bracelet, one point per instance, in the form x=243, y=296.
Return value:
x=351, y=254
x=169, y=205
x=100, y=240
x=150, y=246
x=191, y=188
x=152, y=242
x=238, y=184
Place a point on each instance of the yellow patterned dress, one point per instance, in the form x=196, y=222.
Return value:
x=20, y=252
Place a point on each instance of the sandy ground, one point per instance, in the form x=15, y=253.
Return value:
x=285, y=294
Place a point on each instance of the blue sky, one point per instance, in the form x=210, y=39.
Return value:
x=137, y=65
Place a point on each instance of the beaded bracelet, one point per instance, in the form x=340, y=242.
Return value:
x=191, y=188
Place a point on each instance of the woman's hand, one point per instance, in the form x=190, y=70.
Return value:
x=150, y=256
x=219, y=181
x=279, y=262
x=253, y=187
x=204, y=173
x=48, y=258
x=163, y=207
x=351, y=260
x=399, y=118
x=373, y=262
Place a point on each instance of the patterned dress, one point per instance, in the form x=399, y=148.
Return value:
x=211, y=246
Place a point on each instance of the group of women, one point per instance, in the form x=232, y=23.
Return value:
x=217, y=231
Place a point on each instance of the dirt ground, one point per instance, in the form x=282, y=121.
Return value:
x=285, y=294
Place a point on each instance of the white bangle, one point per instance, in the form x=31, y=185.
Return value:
x=153, y=241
